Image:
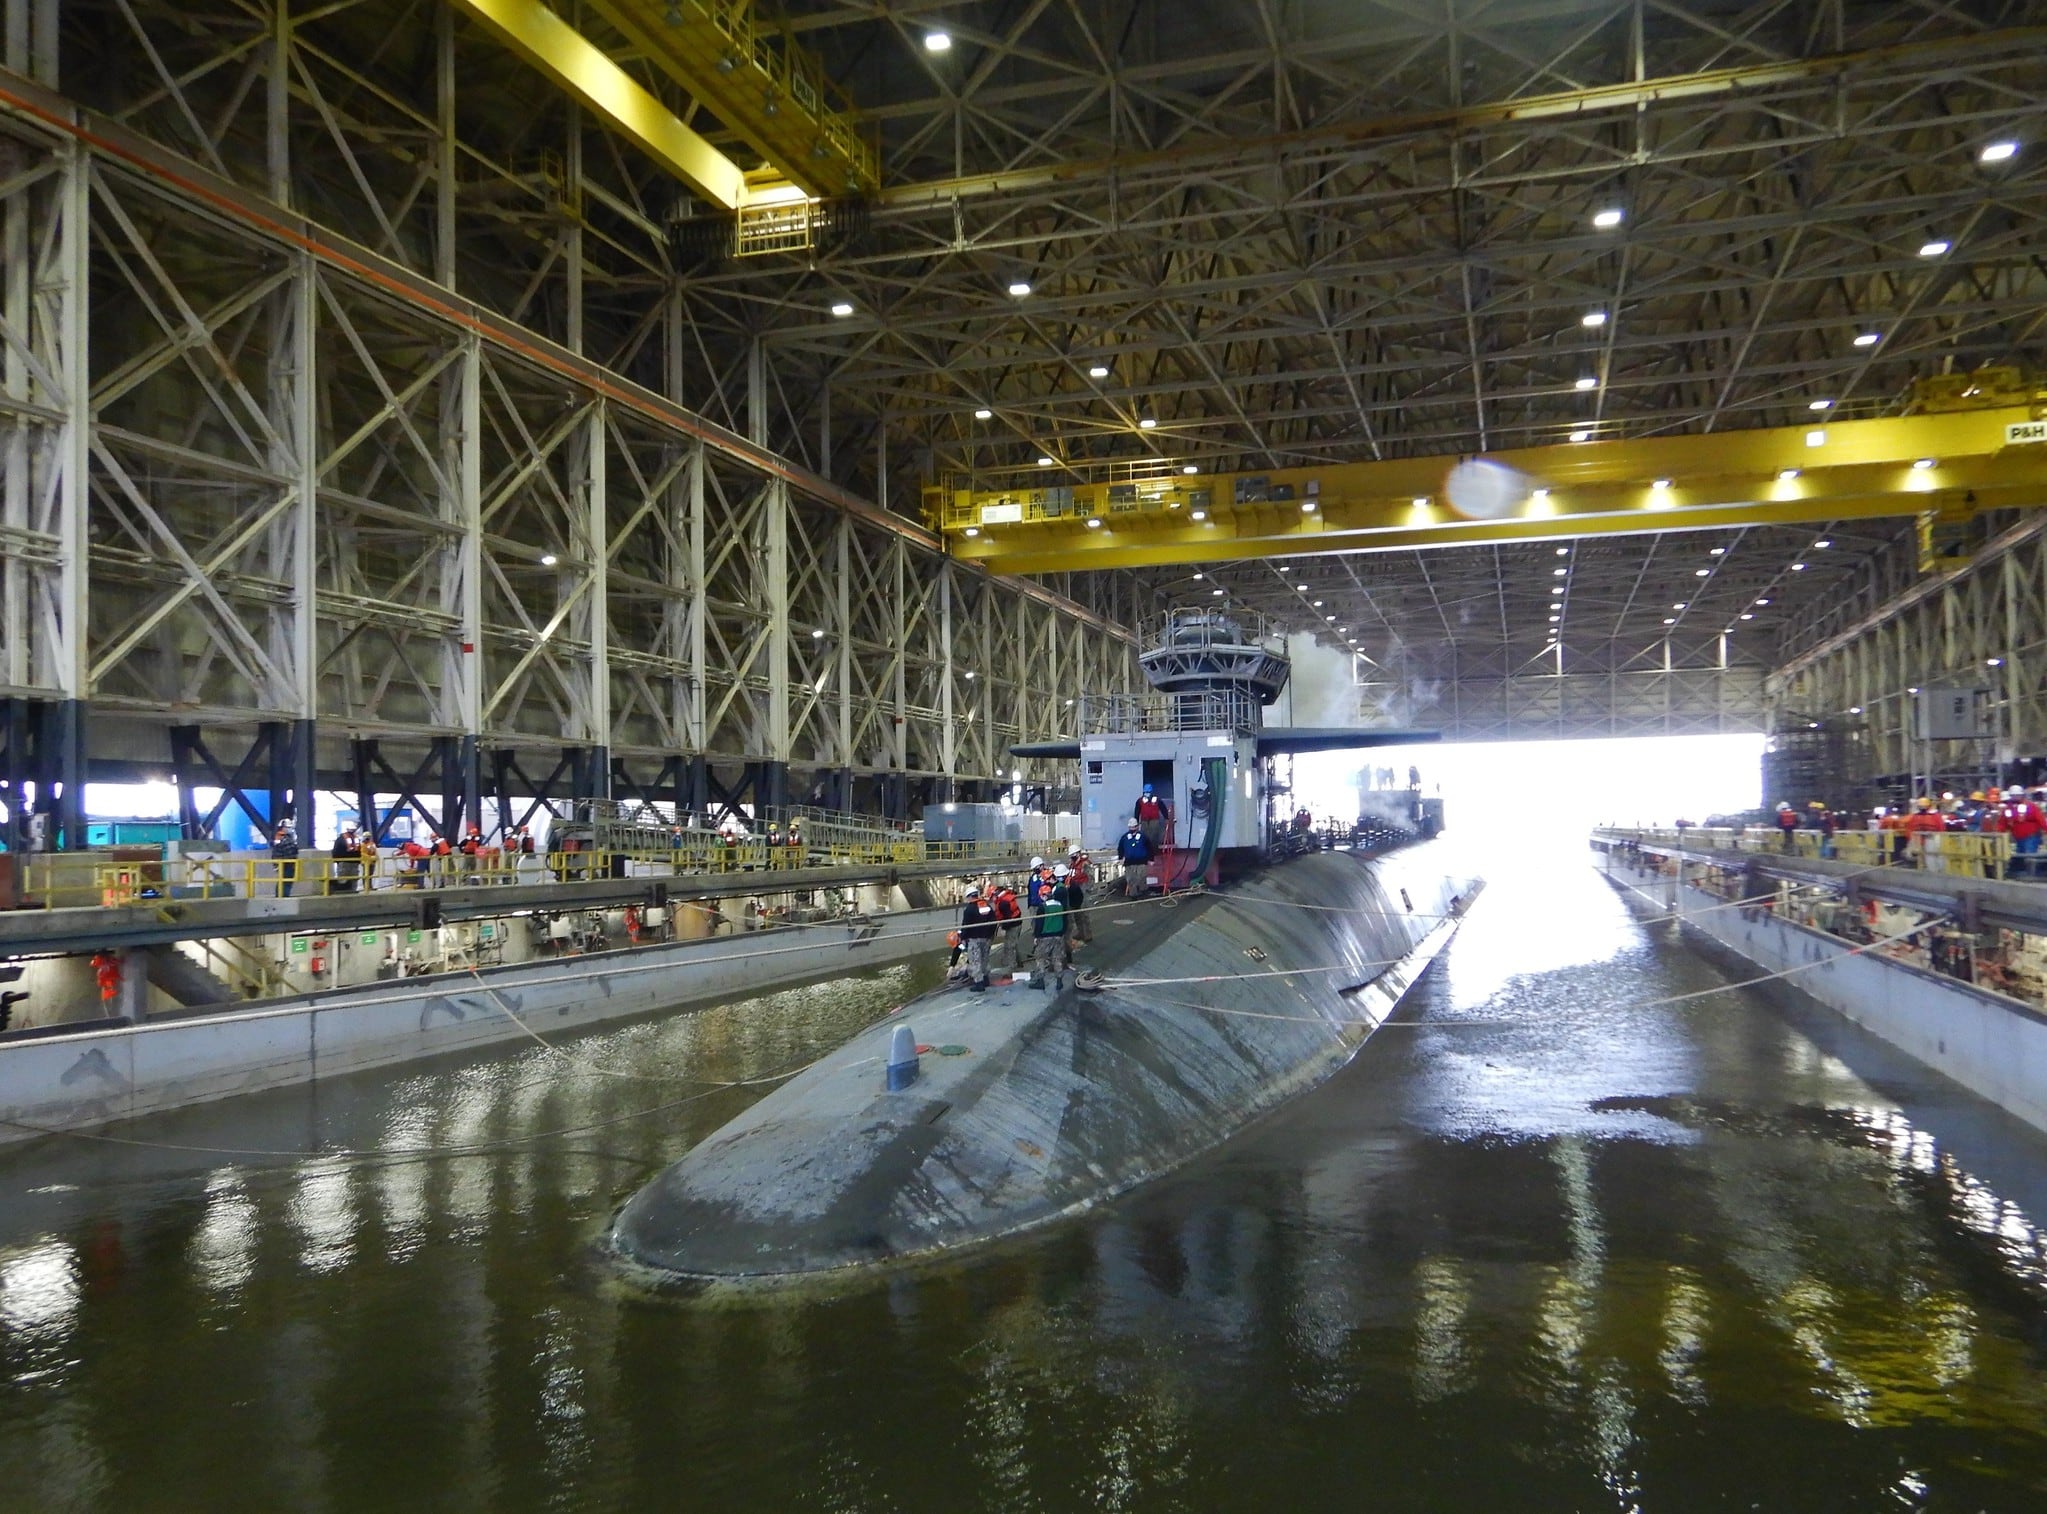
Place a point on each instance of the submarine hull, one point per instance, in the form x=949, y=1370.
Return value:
x=1214, y=1008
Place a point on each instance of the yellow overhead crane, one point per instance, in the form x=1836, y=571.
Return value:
x=767, y=89
x=1975, y=442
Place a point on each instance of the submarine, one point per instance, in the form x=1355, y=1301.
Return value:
x=1260, y=967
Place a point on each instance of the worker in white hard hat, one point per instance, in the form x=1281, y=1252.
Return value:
x=1787, y=824
x=977, y=934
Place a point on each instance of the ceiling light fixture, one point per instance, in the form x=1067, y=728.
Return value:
x=1924, y=464
x=973, y=531
x=1659, y=483
x=1936, y=248
x=1044, y=462
x=1593, y=318
x=1307, y=507
x=1099, y=370
x=1823, y=543
x=1019, y=289
x=1540, y=494
x=1563, y=551
x=1094, y=522
x=548, y=559
x=937, y=42
x=1995, y=662
x=1748, y=615
x=1200, y=515
x=1421, y=502
x=1998, y=152
x=1559, y=572
x=1762, y=601
x=1868, y=339
x=1798, y=567
x=1607, y=219
x=842, y=308
x=1702, y=572
x=1820, y=405
x=1670, y=620
x=1587, y=382
x=984, y=413
x=1146, y=422
x=1786, y=475
x=817, y=635
x=1581, y=436
x=1190, y=468
x=1717, y=552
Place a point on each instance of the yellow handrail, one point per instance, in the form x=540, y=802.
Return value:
x=77, y=880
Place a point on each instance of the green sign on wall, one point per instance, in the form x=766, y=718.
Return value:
x=411, y=936
x=300, y=946
x=369, y=938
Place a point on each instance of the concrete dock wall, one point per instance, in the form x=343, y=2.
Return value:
x=1995, y=1047
x=91, y=1078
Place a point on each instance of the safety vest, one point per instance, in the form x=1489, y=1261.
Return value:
x=1051, y=914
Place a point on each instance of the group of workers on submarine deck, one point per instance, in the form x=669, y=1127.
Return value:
x=1056, y=899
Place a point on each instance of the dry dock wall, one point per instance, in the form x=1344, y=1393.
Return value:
x=91, y=1078
x=1993, y=1046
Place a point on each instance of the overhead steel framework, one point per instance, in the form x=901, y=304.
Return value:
x=1120, y=235
x=269, y=490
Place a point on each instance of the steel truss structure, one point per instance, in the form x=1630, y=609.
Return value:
x=1978, y=624
x=1285, y=235
x=271, y=492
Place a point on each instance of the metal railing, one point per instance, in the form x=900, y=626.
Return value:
x=79, y=880
x=1135, y=714
x=1961, y=854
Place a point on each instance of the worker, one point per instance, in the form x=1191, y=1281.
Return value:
x=1822, y=820
x=2024, y=820
x=794, y=841
x=1922, y=825
x=417, y=855
x=1150, y=813
x=525, y=841
x=284, y=846
x=1074, y=891
x=977, y=930
x=1034, y=886
x=1048, y=928
x=347, y=859
x=1136, y=853
x=1083, y=921
x=472, y=848
x=1008, y=923
x=442, y=852
x=1787, y=825
x=1892, y=820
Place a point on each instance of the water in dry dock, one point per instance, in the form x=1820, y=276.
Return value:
x=1549, y=1246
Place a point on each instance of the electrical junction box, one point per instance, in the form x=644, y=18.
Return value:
x=1950, y=714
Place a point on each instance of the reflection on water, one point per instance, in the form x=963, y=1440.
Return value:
x=1548, y=1244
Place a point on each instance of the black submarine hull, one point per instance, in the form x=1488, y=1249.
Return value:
x=1214, y=1008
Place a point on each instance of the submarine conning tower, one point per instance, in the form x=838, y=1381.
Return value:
x=1194, y=738
x=1199, y=738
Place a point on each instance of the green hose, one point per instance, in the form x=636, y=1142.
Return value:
x=1218, y=778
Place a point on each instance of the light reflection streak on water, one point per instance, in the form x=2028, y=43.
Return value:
x=322, y=1209
x=1442, y=1356
x=223, y=1253
x=1687, y=1314
x=39, y=1297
